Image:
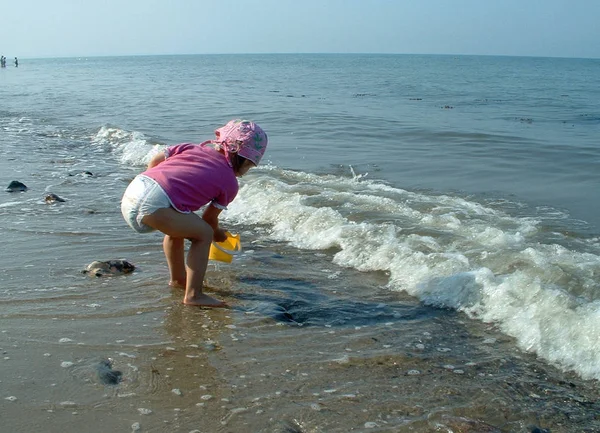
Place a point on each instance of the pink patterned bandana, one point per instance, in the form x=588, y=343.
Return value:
x=243, y=137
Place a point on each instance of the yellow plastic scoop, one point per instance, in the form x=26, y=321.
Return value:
x=224, y=251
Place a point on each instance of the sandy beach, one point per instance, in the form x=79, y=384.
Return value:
x=410, y=368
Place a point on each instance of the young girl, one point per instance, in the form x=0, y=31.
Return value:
x=180, y=181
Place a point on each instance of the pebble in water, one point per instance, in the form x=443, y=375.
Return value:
x=100, y=268
x=106, y=374
x=53, y=198
x=16, y=186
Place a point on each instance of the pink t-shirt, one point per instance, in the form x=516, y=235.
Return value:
x=194, y=175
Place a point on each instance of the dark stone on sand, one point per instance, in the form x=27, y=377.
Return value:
x=106, y=374
x=109, y=267
x=53, y=198
x=16, y=186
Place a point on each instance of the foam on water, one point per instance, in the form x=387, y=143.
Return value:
x=447, y=251
x=132, y=148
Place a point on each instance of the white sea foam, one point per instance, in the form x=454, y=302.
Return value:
x=10, y=203
x=447, y=251
x=132, y=148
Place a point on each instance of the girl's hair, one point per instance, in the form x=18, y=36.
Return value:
x=236, y=161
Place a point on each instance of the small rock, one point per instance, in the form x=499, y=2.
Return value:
x=109, y=267
x=16, y=186
x=53, y=198
x=106, y=374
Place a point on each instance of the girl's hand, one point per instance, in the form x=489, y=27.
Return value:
x=219, y=235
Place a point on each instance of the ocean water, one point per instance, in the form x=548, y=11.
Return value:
x=421, y=246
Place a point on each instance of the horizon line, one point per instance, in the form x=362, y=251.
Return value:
x=302, y=53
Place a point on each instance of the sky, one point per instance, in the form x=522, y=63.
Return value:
x=73, y=28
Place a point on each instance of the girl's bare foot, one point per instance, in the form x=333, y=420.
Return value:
x=203, y=300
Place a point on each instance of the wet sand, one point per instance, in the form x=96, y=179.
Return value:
x=252, y=368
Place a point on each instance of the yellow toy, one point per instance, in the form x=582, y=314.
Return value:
x=224, y=251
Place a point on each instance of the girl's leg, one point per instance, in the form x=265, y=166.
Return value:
x=200, y=233
x=174, y=252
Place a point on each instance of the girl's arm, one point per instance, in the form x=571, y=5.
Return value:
x=211, y=216
x=156, y=159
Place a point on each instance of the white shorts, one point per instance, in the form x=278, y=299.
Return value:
x=142, y=197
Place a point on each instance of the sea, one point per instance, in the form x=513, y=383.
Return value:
x=420, y=247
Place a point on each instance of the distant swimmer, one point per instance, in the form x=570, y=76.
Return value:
x=16, y=63
x=3, y=62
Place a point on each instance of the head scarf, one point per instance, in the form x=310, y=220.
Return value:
x=243, y=137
